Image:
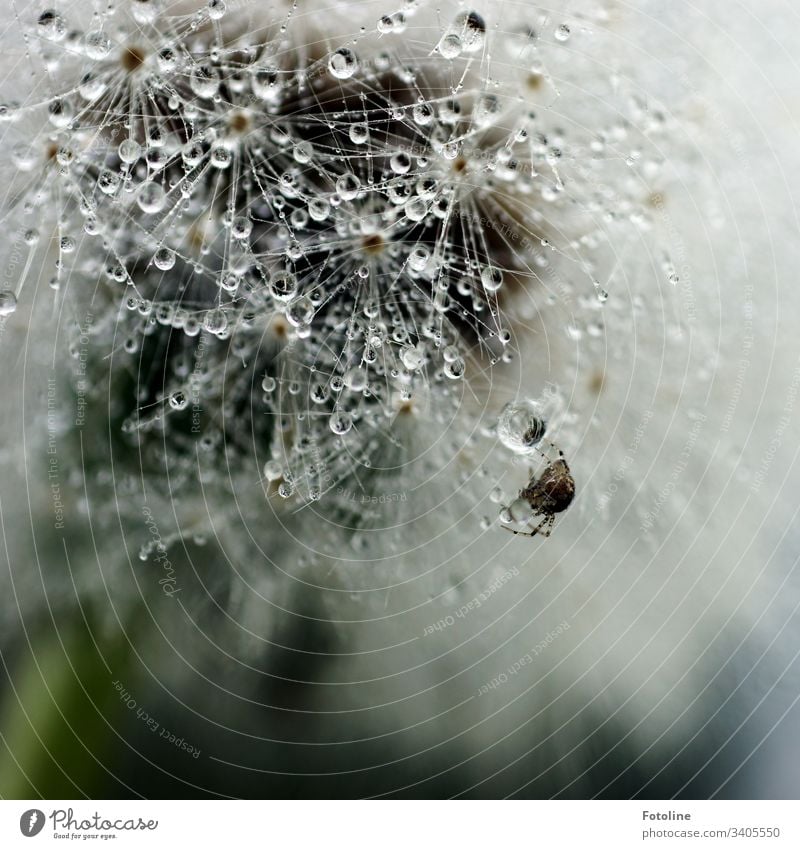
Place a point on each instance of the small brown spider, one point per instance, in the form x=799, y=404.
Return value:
x=552, y=492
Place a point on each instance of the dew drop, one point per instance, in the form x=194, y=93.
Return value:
x=348, y=186
x=343, y=63
x=450, y=46
x=416, y=209
x=355, y=379
x=283, y=286
x=521, y=426
x=300, y=312
x=51, y=25
x=151, y=197
x=400, y=163
x=413, y=357
x=519, y=511
x=178, y=400
x=318, y=209
x=8, y=303
x=216, y=9
x=359, y=133
x=91, y=87
x=455, y=368
x=97, y=45
x=340, y=422
x=129, y=151
x=221, y=157
x=472, y=31
x=492, y=278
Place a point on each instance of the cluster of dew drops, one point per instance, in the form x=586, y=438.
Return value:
x=293, y=235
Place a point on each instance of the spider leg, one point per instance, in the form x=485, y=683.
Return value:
x=536, y=530
x=549, y=523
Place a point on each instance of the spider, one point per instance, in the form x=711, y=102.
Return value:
x=552, y=492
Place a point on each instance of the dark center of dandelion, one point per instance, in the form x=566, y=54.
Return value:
x=534, y=81
x=239, y=122
x=51, y=150
x=460, y=164
x=373, y=244
x=132, y=58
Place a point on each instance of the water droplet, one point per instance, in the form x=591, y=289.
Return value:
x=60, y=113
x=145, y=11
x=343, y=63
x=51, y=25
x=400, y=163
x=204, y=81
x=359, y=133
x=455, y=368
x=241, y=227
x=340, y=422
x=216, y=9
x=422, y=114
x=521, y=426
x=164, y=259
x=318, y=209
x=601, y=293
x=492, y=278
x=8, y=303
x=167, y=60
x=129, y=151
x=151, y=197
x=562, y=33
x=348, y=186
x=413, y=357
x=355, y=379
x=178, y=400
x=519, y=511
x=416, y=209
x=471, y=28
x=283, y=286
x=97, y=45
x=300, y=312
x=91, y=87
x=215, y=321
x=450, y=45
x=418, y=258
x=221, y=157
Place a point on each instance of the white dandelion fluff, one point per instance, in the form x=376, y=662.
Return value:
x=313, y=299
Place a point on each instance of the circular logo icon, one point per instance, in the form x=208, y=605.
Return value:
x=31, y=822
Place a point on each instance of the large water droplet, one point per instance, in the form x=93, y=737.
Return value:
x=51, y=25
x=151, y=197
x=340, y=422
x=343, y=63
x=521, y=426
x=97, y=45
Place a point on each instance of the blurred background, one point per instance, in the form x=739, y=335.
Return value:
x=648, y=648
